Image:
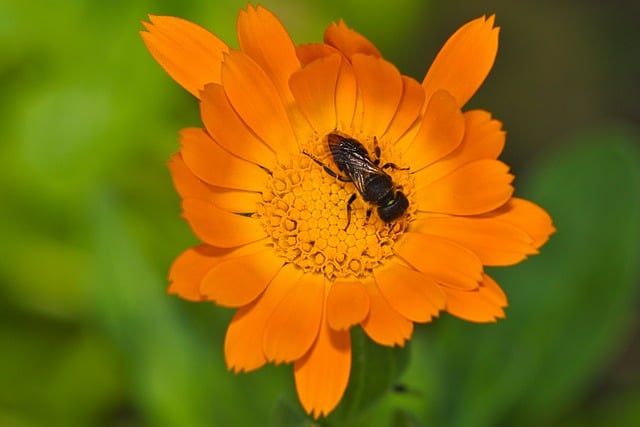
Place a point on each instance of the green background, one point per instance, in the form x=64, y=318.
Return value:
x=89, y=224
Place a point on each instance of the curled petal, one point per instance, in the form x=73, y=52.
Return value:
x=191, y=55
x=347, y=304
x=238, y=280
x=444, y=261
x=243, y=345
x=209, y=162
x=348, y=41
x=411, y=293
x=440, y=133
x=484, y=304
x=219, y=227
x=473, y=189
x=385, y=325
x=263, y=37
x=495, y=242
x=464, y=61
x=295, y=322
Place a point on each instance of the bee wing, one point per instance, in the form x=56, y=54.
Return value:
x=353, y=159
x=358, y=169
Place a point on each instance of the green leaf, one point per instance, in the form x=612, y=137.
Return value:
x=404, y=419
x=570, y=306
x=129, y=302
x=593, y=283
x=375, y=369
x=174, y=359
x=287, y=414
x=620, y=409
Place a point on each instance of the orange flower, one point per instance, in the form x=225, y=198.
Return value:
x=287, y=243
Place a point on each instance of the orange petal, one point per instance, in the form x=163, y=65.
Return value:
x=409, y=136
x=346, y=96
x=411, y=293
x=484, y=304
x=529, y=217
x=483, y=139
x=307, y=53
x=229, y=131
x=219, y=227
x=255, y=98
x=473, y=189
x=186, y=183
x=493, y=291
x=242, y=202
x=191, y=55
x=384, y=325
x=209, y=162
x=322, y=374
x=347, y=304
x=408, y=110
x=348, y=41
x=464, y=61
x=444, y=261
x=440, y=133
x=495, y=242
x=295, y=322
x=243, y=347
x=190, y=267
x=263, y=37
x=238, y=280
x=190, y=186
x=380, y=86
x=314, y=89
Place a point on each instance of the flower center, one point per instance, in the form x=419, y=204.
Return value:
x=305, y=211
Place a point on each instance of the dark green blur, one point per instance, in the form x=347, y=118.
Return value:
x=90, y=223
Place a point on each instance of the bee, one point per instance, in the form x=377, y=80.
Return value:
x=372, y=182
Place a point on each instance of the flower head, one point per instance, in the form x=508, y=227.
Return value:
x=279, y=186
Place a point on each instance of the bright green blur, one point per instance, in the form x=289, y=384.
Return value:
x=90, y=223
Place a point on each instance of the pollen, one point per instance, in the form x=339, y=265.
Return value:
x=304, y=211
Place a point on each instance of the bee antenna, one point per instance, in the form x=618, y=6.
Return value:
x=265, y=169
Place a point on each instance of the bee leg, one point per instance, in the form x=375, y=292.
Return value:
x=376, y=151
x=368, y=215
x=393, y=166
x=376, y=161
x=326, y=168
x=349, y=202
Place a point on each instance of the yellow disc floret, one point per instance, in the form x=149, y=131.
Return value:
x=304, y=210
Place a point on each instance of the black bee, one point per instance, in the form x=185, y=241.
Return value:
x=372, y=182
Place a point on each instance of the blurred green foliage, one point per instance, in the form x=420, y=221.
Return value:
x=90, y=223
